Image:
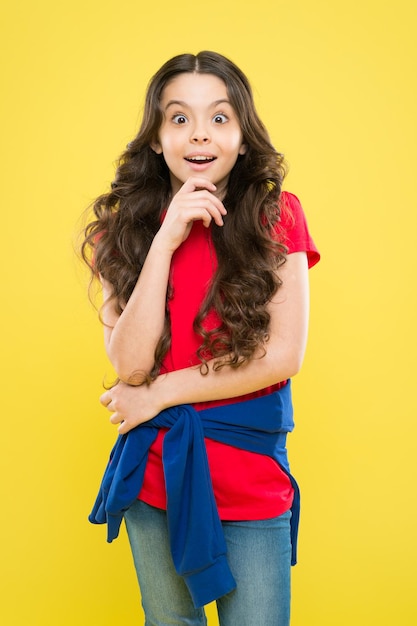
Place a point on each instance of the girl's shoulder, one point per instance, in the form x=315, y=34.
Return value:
x=291, y=210
x=293, y=225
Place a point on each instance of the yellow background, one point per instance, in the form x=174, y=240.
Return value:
x=335, y=83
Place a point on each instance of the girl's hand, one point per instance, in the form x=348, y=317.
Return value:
x=194, y=201
x=130, y=406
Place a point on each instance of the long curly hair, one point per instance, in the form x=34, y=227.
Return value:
x=127, y=218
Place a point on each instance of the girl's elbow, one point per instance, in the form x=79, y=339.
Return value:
x=294, y=365
x=287, y=364
x=296, y=358
x=135, y=377
x=132, y=375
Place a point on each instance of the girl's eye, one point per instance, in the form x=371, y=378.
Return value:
x=179, y=119
x=220, y=118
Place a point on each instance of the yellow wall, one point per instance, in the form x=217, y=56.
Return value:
x=335, y=84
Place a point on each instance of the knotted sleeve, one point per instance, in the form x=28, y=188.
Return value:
x=197, y=542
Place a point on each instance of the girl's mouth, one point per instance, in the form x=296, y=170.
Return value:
x=200, y=159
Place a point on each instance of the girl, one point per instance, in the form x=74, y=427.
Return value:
x=203, y=264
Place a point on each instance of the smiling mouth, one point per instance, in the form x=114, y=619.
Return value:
x=200, y=159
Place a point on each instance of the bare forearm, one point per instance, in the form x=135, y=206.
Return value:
x=132, y=338
x=189, y=386
x=132, y=341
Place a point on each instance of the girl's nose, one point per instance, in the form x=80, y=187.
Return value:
x=200, y=136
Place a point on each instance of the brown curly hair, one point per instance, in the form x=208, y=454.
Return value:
x=128, y=216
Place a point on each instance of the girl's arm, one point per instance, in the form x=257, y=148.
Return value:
x=131, y=338
x=285, y=349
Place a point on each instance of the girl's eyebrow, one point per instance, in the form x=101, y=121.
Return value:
x=183, y=104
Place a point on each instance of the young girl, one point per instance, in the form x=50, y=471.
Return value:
x=203, y=263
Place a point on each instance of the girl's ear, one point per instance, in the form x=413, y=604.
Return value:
x=156, y=147
x=243, y=148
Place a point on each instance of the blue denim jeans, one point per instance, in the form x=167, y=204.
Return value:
x=259, y=555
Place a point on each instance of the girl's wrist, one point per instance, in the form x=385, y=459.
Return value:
x=177, y=387
x=163, y=389
x=161, y=247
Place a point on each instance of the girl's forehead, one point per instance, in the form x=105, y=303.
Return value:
x=192, y=85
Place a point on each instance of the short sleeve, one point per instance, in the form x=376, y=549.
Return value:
x=293, y=225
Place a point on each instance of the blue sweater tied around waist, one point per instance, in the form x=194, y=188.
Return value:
x=196, y=536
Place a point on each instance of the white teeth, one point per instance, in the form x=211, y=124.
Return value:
x=200, y=158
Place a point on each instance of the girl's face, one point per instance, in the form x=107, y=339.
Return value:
x=200, y=134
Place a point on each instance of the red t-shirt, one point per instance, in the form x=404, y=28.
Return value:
x=247, y=486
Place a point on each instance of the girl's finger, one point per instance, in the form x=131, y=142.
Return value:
x=195, y=182
x=123, y=428
x=105, y=398
x=205, y=201
x=116, y=418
